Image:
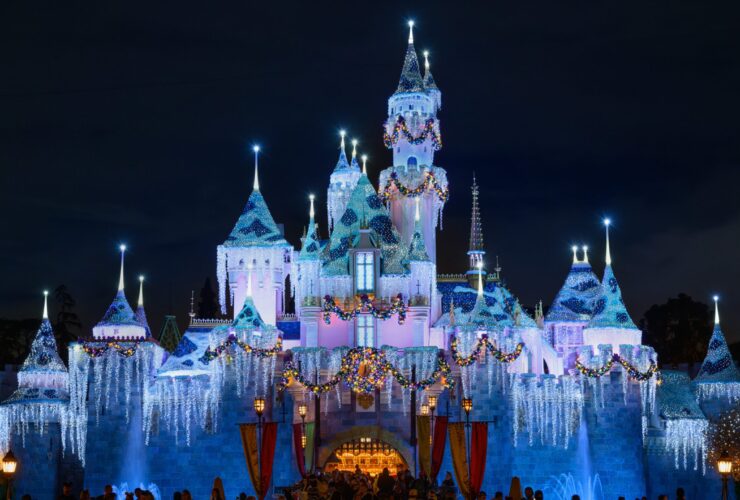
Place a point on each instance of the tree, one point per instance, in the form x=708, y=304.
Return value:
x=207, y=305
x=68, y=326
x=679, y=330
x=16, y=336
x=724, y=435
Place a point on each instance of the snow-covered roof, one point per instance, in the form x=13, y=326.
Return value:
x=119, y=312
x=609, y=310
x=718, y=365
x=574, y=302
x=255, y=226
x=675, y=398
x=411, y=80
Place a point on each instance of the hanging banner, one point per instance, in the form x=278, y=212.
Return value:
x=424, y=443
x=249, y=443
x=300, y=458
x=438, y=446
x=478, y=447
x=459, y=457
x=267, y=456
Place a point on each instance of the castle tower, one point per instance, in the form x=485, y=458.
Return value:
x=308, y=264
x=412, y=133
x=423, y=283
x=256, y=253
x=341, y=183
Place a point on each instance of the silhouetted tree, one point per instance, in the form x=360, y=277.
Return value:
x=68, y=325
x=16, y=336
x=207, y=305
x=679, y=330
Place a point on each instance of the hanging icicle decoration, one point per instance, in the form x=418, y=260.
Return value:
x=687, y=439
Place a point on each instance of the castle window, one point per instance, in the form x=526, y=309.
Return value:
x=411, y=106
x=411, y=162
x=365, y=331
x=364, y=272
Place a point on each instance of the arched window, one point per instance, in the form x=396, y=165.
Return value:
x=411, y=162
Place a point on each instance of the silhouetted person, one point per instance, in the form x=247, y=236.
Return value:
x=529, y=493
x=680, y=494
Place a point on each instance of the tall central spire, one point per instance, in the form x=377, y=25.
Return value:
x=256, y=185
x=607, y=223
x=475, y=250
x=46, y=305
x=411, y=80
x=120, y=278
x=140, y=303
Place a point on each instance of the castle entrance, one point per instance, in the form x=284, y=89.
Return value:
x=371, y=455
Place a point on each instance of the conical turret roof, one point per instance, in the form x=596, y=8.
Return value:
x=248, y=318
x=364, y=207
x=609, y=310
x=718, y=365
x=44, y=357
x=255, y=226
x=140, y=312
x=311, y=245
x=417, y=248
x=574, y=302
x=410, y=80
x=119, y=312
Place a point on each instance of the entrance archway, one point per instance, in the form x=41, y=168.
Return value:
x=371, y=455
x=355, y=434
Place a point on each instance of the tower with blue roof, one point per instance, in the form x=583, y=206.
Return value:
x=255, y=243
x=412, y=132
x=341, y=182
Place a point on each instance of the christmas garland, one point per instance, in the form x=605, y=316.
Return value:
x=365, y=306
x=631, y=369
x=376, y=369
x=484, y=343
x=401, y=129
x=94, y=350
x=429, y=182
x=220, y=349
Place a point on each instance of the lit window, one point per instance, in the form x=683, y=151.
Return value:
x=364, y=272
x=365, y=331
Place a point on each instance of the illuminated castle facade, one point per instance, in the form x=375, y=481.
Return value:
x=378, y=338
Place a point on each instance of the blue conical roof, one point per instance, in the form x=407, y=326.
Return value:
x=255, y=226
x=119, y=312
x=718, y=365
x=609, y=310
x=342, y=163
x=248, y=318
x=364, y=207
x=141, y=318
x=311, y=245
x=43, y=356
x=481, y=315
x=574, y=301
x=410, y=80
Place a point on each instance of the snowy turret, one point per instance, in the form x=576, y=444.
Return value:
x=718, y=375
x=255, y=241
x=308, y=263
x=341, y=183
x=610, y=322
x=140, y=312
x=119, y=321
x=412, y=133
x=423, y=270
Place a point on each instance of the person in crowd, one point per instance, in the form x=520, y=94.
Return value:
x=448, y=484
x=529, y=493
x=662, y=497
x=482, y=495
x=66, y=492
x=499, y=495
x=575, y=497
x=515, y=490
x=177, y=496
x=85, y=495
x=26, y=497
x=538, y=495
x=680, y=494
x=186, y=495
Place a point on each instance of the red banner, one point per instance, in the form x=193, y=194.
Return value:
x=438, y=446
x=300, y=458
x=267, y=454
x=478, y=446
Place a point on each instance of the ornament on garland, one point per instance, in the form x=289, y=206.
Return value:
x=401, y=129
x=633, y=372
x=365, y=369
x=484, y=344
x=365, y=306
x=232, y=340
x=429, y=182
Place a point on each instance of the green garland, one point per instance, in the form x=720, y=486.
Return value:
x=366, y=306
x=401, y=129
x=631, y=369
x=429, y=182
x=484, y=344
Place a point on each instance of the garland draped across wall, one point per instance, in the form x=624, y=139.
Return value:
x=429, y=182
x=366, y=306
x=220, y=349
x=484, y=343
x=364, y=369
x=94, y=350
x=401, y=129
x=631, y=369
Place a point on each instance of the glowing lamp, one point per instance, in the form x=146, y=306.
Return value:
x=467, y=405
x=303, y=440
x=10, y=464
x=302, y=410
x=424, y=410
x=259, y=405
x=724, y=464
x=432, y=402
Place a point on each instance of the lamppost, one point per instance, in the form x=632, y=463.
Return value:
x=467, y=405
x=724, y=466
x=10, y=464
x=432, y=401
x=302, y=411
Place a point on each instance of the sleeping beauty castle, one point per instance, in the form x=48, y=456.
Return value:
x=385, y=362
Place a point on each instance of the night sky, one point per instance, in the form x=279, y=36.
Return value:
x=126, y=122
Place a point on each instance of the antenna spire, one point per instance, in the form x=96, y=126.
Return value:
x=585, y=254
x=411, y=32
x=364, y=165
x=311, y=212
x=426, y=60
x=716, y=310
x=141, y=291
x=45, y=315
x=122, y=248
x=575, y=254
x=354, y=148
x=192, y=305
x=607, y=223
x=256, y=150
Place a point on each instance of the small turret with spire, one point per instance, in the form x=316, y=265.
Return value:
x=475, y=248
x=342, y=182
x=140, y=312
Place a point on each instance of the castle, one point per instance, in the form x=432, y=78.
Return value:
x=378, y=339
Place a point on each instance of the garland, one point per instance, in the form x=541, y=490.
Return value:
x=401, y=129
x=212, y=354
x=633, y=372
x=366, y=305
x=484, y=344
x=364, y=369
x=429, y=182
x=94, y=350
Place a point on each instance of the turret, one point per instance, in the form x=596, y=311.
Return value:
x=341, y=183
x=412, y=133
x=423, y=283
x=308, y=264
x=254, y=241
x=140, y=312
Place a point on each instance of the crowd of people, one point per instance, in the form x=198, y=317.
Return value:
x=356, y=485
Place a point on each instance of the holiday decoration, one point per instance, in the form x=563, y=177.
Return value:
x=365, y=306
x=429, y=183
x=400, y=129
x=484, y=344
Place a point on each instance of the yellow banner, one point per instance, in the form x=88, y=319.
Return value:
x=459, y=457
x=424, y=436
x=251, y=453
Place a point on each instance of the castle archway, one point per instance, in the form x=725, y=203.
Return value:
x=369, y=447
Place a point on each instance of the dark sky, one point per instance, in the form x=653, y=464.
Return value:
x=132, y=122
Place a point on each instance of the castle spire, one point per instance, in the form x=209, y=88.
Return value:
x=585, y=254
x=120, y=278
x=410, y=80
x=256, y=150
x=342, y=162
x=355, y=165
x=475, y=250
x=364, y=165
x=46, y=305
x=429, y=82
x=311, y=212
x=607, y=223
x=575, y=254
x=140, y=303
x=716, y=310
